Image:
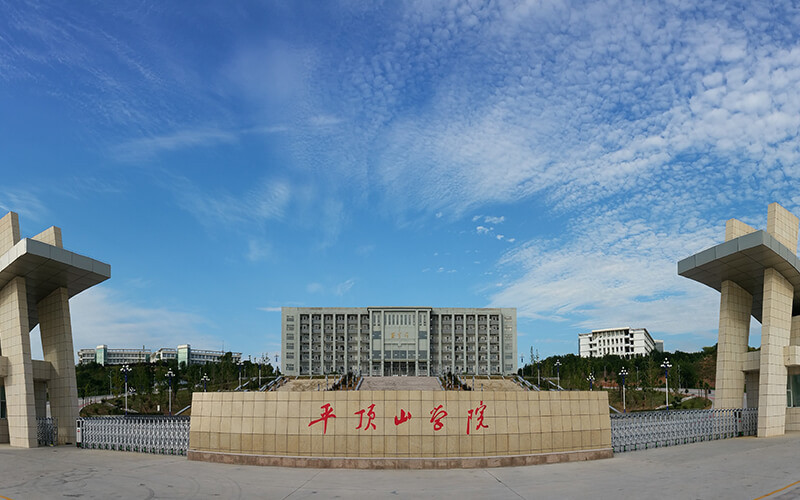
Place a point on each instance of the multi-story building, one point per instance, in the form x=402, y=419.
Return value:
x=627, y=342
x=184, y=353
x=189, y=356
x=164, y=354
x=398, y=340
x=105, y=356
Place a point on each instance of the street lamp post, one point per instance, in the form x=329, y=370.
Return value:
x=623, y=373
x=126, y=369
x=241, y=363
x=169, y=375
x=522, y=364
x=558, y=372
x=666, y=366
x=590, y=378
x=205, y=380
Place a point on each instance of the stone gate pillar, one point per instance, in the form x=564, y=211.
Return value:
x=37, y=279
x=757, y=273
x=56, y=330
x=15, y=345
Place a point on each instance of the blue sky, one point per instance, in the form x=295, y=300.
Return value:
x=229, y=158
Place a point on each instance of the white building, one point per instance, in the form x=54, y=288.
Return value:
x=627, y=342
x=184, y=353
x=189, y=356
x=104, y=356
x=398, y=340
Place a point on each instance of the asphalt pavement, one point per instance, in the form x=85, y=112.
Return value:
x=742, y=468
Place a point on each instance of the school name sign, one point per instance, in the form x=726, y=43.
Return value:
x=399, y=424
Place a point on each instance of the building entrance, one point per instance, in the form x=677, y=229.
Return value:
x=399, y=368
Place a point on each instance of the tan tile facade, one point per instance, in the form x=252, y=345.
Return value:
x=775, y=330
x=46, y=275
x=734, y=331
x=783, y=226
x=16, y=345
x=514, y=423
x=56, y=330
x=756, y=276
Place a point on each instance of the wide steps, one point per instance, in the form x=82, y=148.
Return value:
x=400, y=384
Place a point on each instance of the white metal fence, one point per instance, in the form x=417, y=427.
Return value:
x=144, y=434
x=650, y=429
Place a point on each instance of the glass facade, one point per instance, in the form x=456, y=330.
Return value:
x=793, y=391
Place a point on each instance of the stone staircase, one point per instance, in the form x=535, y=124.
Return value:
x=400, y=384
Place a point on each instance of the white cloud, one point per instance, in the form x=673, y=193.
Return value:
x=499, y=236
x=315, y=288
x=258, y=250
x=325, y=120
x=266, y=200
x=23, y=201
x=270, y=309
x=483, y=229
x=614, y=271
x=494, y=220
x=102, y=316
x=344, y=287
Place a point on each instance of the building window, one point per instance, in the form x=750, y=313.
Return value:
x=289, y=318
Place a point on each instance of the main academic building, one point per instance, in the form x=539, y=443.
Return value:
x=398, y=340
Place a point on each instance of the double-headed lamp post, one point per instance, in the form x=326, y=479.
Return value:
x=169, y=375
x=666, y=366
x=558, y=373
x=205, y=380
x=125, y=370
x=590, y=378
x=623, y=373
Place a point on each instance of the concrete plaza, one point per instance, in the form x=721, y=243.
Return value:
x=743, y=468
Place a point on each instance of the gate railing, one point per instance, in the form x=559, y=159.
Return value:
x=144, y=434
x=651, y=429
x=47, y=431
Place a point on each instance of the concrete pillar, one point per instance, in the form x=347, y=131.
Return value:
x=9, y=231
x=15, y=343
x=56, y=329
x=775, y=332
x=734, y=330
x=783, y=226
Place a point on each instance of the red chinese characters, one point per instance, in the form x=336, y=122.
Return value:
x=478, y=414
x=404, y=417
x=370, y=410
x=437, y=414
x=327, y=412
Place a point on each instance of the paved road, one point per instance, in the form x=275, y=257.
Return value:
x=744, y=468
